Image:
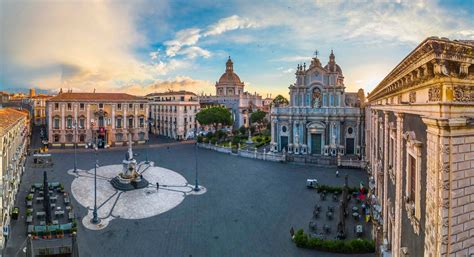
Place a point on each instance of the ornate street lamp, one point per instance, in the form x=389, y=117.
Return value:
x=95, y=218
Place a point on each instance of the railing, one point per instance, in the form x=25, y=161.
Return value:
x=322, y=110
x=268, y=156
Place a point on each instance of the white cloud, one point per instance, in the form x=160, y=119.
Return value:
x=175, y=84
x=81, y=44
x=195, y=51
x=186, y=37
x=230, y=23
x=288, y=71
x=154, y=55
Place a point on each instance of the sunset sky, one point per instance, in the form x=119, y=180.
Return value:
x=152, y=46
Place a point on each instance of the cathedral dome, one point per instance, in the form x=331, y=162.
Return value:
x=229, y=76
x=332, y=66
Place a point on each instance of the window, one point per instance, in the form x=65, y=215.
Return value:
x=119, y=137
x=56, y=138
x=101, y=121
x=412, y=178
x=56, y=106
x=69, y=122
x=119, y=106
x=82, y=138
x=69, y=106
x=118, y=122
x=142, y=122
x=141, y=106
x=141, y=136
x=413, y=183
x=130, y=122
x=331, y=100
x=350, y=130
x=101, y=105
x=81, y=122
x=69, y=138
x=182, y=98
x=81, y=106
x=56, y=123
x=130, y=106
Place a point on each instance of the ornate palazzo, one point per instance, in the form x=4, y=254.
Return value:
x=428, y=101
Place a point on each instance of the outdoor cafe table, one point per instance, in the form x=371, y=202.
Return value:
x=66, y=200
x=29, y=219
x=70, y=216
x=29, y=203
x=40, y=213
x=355, y=208
x=39, y=199
x=53, y=198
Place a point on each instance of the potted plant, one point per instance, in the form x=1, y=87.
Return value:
x=34, y=235
x=59, y=233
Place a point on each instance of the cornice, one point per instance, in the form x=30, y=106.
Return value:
x=433, y=58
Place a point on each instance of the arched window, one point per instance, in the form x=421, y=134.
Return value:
x=82, y=138
x=141, y=136
x=69, y=122
x=118, y=122
x=56, y=122
x=69, y=138
x=119, y=137
x=56, y=138
x=82, y=122
x=130, y=121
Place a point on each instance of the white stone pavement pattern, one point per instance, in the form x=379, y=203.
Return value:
x=135, y=204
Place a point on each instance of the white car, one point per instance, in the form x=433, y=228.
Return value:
x=311, y=183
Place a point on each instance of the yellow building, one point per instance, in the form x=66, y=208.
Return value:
x=14, y=140
x=102, y=118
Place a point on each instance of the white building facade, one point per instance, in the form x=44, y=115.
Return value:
x=173, y=114
x=230, y=92
x=321, y=119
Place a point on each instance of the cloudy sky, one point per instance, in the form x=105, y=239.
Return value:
x=152, y=46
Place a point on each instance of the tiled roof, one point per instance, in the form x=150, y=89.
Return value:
x=66, y=97
x=9, y=117
x=181, y=92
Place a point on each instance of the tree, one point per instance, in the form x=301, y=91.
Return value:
x=280, y=101
x=214, y=116
x=258, y=116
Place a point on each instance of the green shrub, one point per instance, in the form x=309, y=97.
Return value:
x=258, y=139
x=335, y=189
x=200, y=139
x=338, y=246
x=209, y=135
x=213, y=140
x=235, y=140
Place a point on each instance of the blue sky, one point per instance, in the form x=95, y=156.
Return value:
x=152, y=46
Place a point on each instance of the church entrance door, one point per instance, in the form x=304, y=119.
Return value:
x=284, y=143
x=349, y=145
x=316, y=143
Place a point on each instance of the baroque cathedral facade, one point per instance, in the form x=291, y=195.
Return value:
x=322, y=118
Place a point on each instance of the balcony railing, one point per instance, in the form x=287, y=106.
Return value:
x=310, y=110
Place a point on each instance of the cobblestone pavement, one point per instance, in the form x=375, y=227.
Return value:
x=248, y=209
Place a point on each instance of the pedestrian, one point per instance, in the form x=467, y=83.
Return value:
x=292, y=232
x=157, y=185
x=337, y=173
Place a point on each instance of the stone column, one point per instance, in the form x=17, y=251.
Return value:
x=386, y=132
x=50, y=122
x=398, y=186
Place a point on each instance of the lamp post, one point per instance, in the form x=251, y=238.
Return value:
x=75, y=146
x=146, y=153
x=196, y=186
x=95, y=219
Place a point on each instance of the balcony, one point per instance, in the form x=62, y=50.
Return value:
x=310, y=110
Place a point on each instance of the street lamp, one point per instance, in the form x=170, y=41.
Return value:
x=75, y=145
x=196, y=186
x=95, y=219
x=146, y=153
